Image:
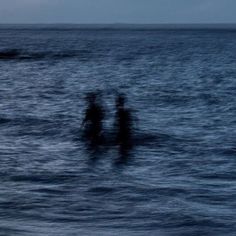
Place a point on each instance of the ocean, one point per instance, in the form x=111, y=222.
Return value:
x=179, y=176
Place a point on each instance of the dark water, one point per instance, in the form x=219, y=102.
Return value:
x=180, y=176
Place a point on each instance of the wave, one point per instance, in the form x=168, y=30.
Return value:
x=17, y=54
x=4, y=120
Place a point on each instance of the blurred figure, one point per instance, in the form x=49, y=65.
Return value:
x=93, y=119
x=123, y=124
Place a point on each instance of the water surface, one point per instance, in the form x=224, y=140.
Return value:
x=180, y=176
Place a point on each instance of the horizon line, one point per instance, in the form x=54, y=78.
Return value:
x=116, y=23
x=131, y=25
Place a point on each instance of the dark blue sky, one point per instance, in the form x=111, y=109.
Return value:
x=117, y=11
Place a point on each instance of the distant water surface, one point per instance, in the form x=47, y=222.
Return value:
x=180, y=176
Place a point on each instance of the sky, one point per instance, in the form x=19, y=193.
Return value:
x=118, y=11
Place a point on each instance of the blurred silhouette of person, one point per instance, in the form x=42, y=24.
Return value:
x=93, y=120
x=123, y=125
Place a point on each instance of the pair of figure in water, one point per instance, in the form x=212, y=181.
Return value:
x=93, y=121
